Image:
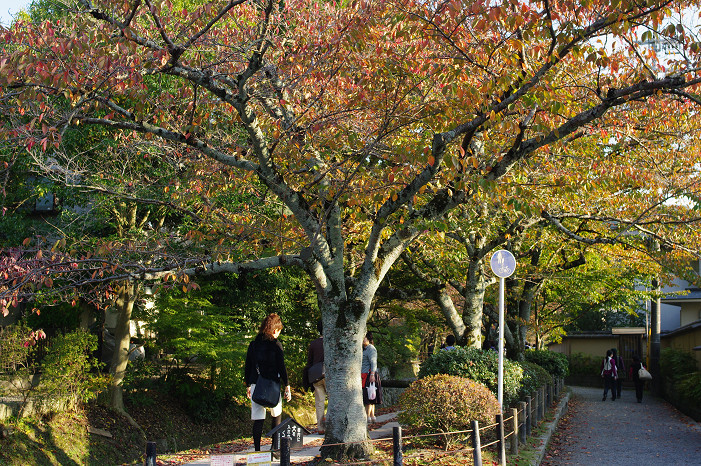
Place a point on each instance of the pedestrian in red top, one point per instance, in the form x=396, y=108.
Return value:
x=609, y=374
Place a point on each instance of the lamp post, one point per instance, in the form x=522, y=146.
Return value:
x=503, y=265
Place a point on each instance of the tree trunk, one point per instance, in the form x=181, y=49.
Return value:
x=344, y=329
x=445, y=303
x=475, y=286
x=126, y=295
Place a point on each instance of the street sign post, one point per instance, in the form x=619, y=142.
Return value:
x=503, y=265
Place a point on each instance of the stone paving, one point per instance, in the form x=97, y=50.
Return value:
x=312, y=444
x=623, y=432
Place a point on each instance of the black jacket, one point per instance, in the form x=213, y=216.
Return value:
x=268, y=357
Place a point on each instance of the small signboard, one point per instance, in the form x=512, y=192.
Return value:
x=264, y=458
x=292, y=430
x=503, y=263
x=221, y=460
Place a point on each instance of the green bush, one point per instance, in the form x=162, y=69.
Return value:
x=15, y=350
x=67, y=370
x=675, y=363
x=555, y=363
x=584, y=364
x=534, y=377
x=201, y=402
x=479, y=365
x=689, y=387
x=445, y=403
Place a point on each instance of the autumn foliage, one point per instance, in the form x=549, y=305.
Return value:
x=446, y=403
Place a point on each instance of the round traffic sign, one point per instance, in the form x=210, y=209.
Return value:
x=503, y=263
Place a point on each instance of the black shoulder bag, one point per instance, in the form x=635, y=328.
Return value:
x=267, y=392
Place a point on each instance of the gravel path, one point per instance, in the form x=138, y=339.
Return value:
x=623, y=432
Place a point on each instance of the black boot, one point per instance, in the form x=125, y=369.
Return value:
x=257, y=433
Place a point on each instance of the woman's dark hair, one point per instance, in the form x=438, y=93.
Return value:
x=609, y=353
x=369, y=337
x=450, y=340
x=271, y=323
x=636, y=358
x=615, y=353
x=320, y=326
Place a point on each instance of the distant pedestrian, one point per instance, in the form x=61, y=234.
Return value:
x=368, y=371
x=316, y=378
x=609, y=374
x=633, y=372
x=265, y=358
x=620, y=370
x=449, y=343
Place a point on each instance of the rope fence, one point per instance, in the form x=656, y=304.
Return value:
x=516, y=428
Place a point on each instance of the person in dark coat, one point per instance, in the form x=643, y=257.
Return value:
x=315, y=355
x=265, y=356
x=633, y=373
x=620, y=370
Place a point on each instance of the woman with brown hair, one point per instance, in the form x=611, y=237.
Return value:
x=265, y=358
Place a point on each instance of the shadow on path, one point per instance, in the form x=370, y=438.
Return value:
x=623, y=432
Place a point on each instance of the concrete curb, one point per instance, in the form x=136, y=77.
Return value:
x=551, y=426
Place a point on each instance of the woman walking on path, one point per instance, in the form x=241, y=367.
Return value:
x=315, y=356
x=608, y=372
x=620, y=370
x=634, y=368
x=265, y=357
x=368, y=369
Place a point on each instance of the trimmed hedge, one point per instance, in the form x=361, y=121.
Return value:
x=446, y=403
x=534, y=377
x=479, y=365
x=675, y=363
x=555, y=363
x=584, y=364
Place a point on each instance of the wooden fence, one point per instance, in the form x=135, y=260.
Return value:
x=514, y=426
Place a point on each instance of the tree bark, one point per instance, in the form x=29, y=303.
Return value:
x=346, y=432
x=126, y=295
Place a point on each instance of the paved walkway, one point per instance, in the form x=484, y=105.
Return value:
x=312, y=444
x=623, y=432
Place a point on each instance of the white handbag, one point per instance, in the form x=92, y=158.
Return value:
x=643, y=374
x=372, y=391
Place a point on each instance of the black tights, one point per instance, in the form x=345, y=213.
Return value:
x=258, y=433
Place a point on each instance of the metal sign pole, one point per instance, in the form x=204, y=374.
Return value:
x=501, y=343
x=503, y=265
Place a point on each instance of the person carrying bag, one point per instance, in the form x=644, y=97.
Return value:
x=264, y=374
x=314, y=377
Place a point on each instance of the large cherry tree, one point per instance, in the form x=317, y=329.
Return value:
x=328, y=136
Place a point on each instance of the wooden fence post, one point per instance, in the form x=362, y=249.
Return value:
x=397, y=446
x=536, y=408
x=477, y=453
x=529, y=415
x=514, y=436
x=284, y=451
x=150, y=454
x=524, y=423
x=500, y=439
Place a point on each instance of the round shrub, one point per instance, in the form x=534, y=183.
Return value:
x=555, y=363
x=446, y=403
x=534, y=377
x=479, y=365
